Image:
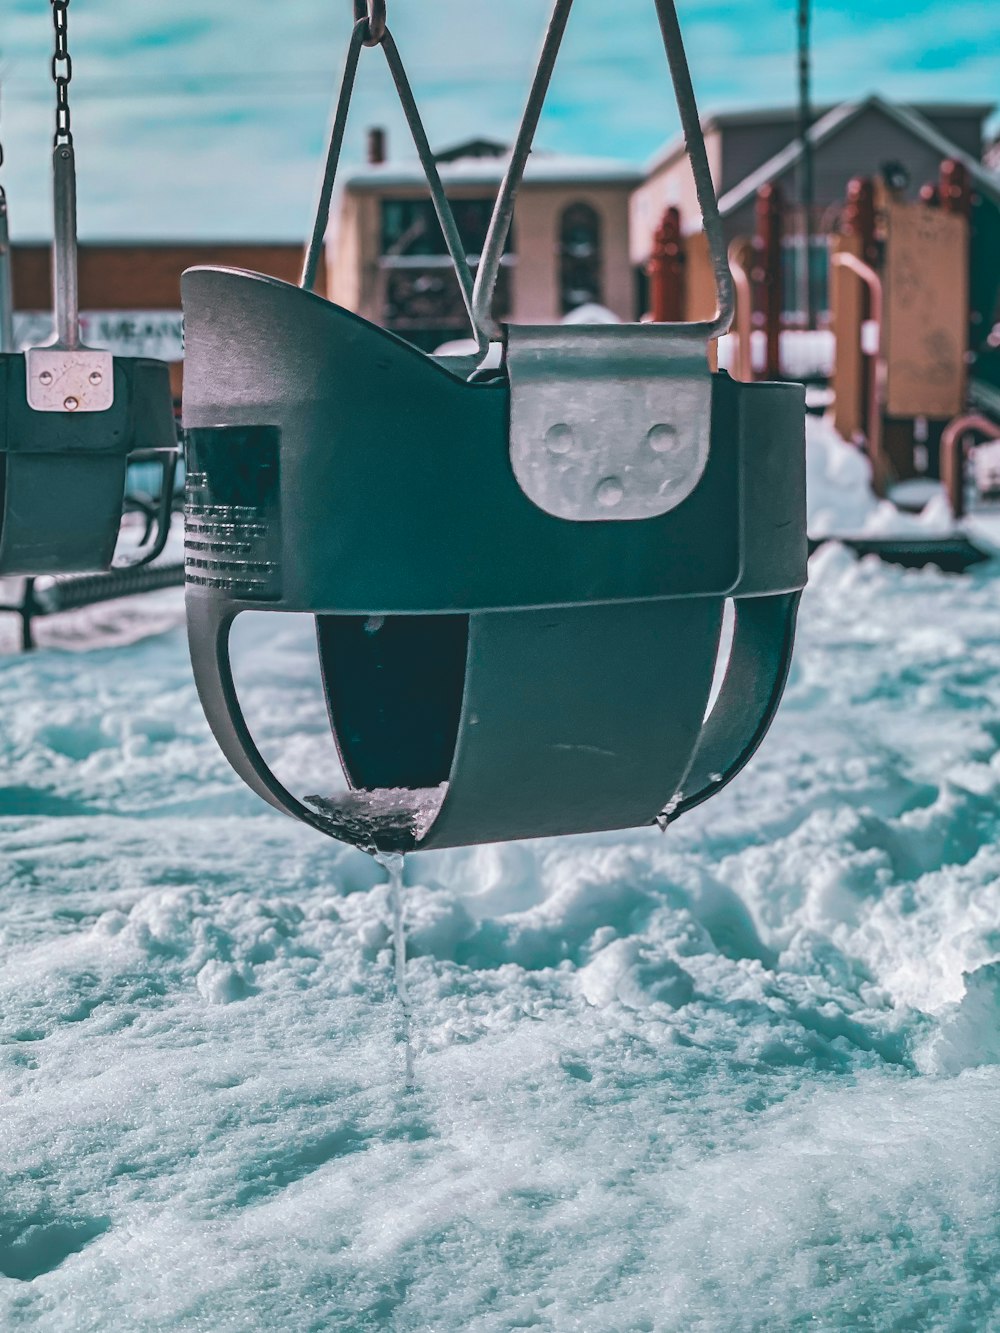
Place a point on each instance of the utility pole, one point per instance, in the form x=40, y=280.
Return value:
x=807, y=294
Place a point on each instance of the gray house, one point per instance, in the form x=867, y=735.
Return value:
x=749, y=149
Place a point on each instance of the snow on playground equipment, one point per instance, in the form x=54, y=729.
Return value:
x=73, y=417
x=518, y=576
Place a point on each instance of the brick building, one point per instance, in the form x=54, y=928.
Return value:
x=130, y=295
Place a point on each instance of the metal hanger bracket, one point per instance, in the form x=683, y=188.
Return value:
x=70, y=379
x=608, y=422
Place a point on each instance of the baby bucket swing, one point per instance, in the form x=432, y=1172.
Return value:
x=72, y=417
x=518, y=577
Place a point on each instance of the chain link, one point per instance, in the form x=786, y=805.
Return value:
x=62, y=72
x=373, y=12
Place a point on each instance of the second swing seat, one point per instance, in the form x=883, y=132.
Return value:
x=62, y=475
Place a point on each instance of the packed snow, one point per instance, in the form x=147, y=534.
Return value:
x=740, y=1076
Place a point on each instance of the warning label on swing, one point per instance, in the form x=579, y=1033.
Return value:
x=232, y=530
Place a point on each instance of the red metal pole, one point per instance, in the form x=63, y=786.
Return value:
x=858, y=221
x=954, y=450
x=666, y=271
x=876, y=373
x=742, y=364
x=859, y=216
x=766, y=273
x=955, y=188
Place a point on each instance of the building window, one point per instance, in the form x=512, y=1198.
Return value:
x=581, y=260
x=410, y=227
x=421, y=298
x=424, y=305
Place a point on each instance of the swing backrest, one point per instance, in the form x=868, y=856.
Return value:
x=375, y=482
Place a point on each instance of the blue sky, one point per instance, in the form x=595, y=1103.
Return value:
x=207, y=117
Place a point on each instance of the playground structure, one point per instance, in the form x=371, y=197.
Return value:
x=913, y=294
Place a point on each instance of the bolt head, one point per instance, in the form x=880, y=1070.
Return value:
x=71, y=404
x=610, y=492
x=45, y=377
x=95, y=377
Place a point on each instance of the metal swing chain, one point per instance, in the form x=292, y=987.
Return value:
x=65, y=278
x=62, y=72
x=63, y=375
x=503, y=213
x=373, y=13
x=370, y=21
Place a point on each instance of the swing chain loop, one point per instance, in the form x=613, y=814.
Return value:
x=373, y=13
x=62, y=72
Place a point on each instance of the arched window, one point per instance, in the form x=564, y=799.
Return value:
x=581, y=259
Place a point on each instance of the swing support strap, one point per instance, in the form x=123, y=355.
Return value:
x=65, y=376
x=489, y=268
x=6, y=275
x=371, y=30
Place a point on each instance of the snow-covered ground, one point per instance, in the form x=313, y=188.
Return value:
x=742, y=1076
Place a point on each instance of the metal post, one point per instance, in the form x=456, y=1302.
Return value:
x=666, y=271
x=806, y=186
x=742, y=363
x=955, y=188
x=767, y=273
x=858, y=222
x=877, y=372
x=955, y=446
x=65, y=278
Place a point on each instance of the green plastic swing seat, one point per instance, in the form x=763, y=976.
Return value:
x=492, y=671
x=62, y=475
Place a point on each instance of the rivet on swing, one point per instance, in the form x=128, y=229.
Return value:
x=610, y=492
x=661, y=439
x=559, y=438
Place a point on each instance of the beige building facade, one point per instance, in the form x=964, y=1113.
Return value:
x=386, y=257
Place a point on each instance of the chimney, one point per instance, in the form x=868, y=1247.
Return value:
x=376, y=146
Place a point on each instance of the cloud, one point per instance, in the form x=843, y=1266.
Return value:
x=203, y=118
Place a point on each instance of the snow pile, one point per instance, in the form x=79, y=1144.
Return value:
x=838, y=482
x=840, y=500
x=745, y=1075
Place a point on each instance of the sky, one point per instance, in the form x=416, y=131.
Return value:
x=206, y=118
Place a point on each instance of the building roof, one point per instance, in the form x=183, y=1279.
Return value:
x=483, y=162
x=788, y=115
x=909, y=118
